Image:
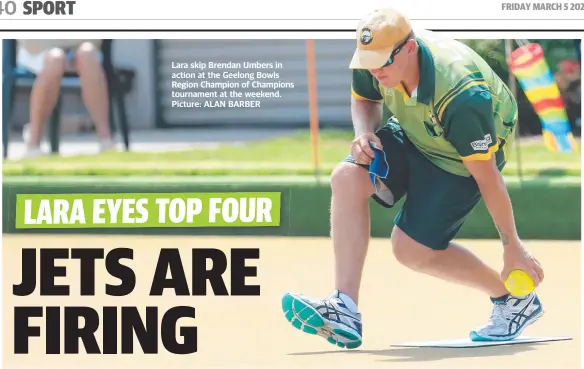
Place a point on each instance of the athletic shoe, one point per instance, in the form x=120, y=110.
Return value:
x=509, y=318
x=329, y=318
x=31, y=150
x=106, y=145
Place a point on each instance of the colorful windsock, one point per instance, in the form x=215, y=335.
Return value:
x=528, y=64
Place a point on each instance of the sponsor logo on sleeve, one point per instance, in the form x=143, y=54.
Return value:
x=481, y=145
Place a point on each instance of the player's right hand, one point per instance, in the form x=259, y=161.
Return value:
x=516, y=256
x=361, y=150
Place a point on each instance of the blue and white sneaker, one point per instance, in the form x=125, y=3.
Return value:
x=329, y=318
x=509, y=318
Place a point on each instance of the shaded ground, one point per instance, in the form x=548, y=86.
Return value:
x=152, y=140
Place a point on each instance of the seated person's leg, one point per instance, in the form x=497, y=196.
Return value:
x=87, y=63
x=43, y=97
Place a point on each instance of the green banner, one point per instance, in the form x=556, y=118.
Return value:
x=148, y=210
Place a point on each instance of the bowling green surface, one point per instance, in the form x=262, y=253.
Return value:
x=397, y=304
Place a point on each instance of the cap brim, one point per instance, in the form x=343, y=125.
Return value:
x=370, y=59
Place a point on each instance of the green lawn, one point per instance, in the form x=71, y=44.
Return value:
x=280, y=156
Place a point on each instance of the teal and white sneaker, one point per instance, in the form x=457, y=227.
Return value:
x=329, y=318
x=509, y=318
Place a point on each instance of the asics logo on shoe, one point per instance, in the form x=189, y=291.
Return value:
x=520, y=317
x=342, y=315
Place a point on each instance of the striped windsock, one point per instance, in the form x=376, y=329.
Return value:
x=535, y=78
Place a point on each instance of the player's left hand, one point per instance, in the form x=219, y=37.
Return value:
x=516, y=256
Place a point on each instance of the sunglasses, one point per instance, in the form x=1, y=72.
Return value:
x=397, y=50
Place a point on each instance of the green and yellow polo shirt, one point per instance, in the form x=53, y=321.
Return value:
x=460, y=111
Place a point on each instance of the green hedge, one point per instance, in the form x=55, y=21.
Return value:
x=543, y=210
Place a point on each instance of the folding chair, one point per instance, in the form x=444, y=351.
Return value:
x=11, y=72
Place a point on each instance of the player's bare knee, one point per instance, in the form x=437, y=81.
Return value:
x=351, y=180
x=408, y=252
x=54, y=62
x=86, y=57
